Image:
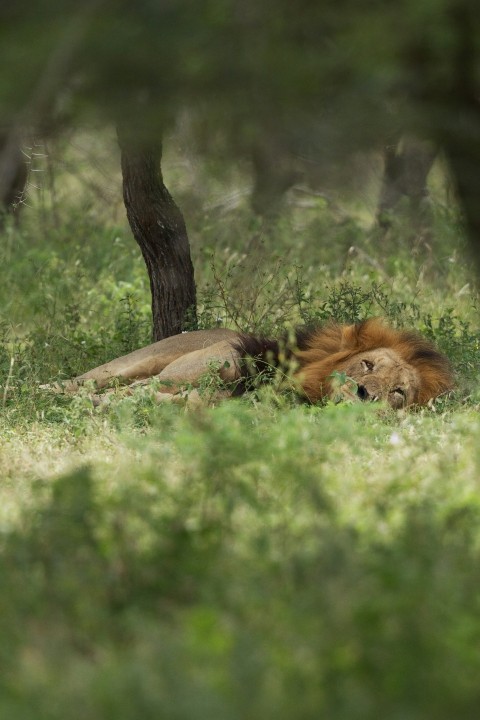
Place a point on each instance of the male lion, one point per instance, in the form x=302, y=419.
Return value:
x=396, y=366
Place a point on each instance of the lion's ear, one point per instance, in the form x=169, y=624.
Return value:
x=349, y=336
x=368, y=335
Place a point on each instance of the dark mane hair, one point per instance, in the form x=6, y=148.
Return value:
x=317, y=351
x=262, y=357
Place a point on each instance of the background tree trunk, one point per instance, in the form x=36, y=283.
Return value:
x=13, y=174
x=159, y=228
x=460, y=132
x=407, y=163
x=274, y=173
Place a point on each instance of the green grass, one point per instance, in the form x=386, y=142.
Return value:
x=254, y=559
x=245, y=561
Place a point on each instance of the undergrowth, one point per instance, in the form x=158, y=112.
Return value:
x=248, y=561
x=254, y=559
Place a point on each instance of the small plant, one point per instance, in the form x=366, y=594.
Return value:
x=210, y=384
x=131, y=327
x=344, y=388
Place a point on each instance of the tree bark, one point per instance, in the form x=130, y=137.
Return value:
x=460, y=132
x=464, y=161
x=13, y=175
x=159, y=228
x=407, y=164
x=274, y=173
x=37, y=112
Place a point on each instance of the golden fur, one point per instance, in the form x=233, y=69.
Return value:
x=397, y=366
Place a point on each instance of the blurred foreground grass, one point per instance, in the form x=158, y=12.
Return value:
x=242, y=561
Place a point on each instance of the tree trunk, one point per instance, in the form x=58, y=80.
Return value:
x=407, y=164
x=460, y=133
x=159, y=228
x=274, y=173
x=13, y=174
x=464, y=161
x=37, y=113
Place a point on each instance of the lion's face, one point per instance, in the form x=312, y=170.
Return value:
x=382, y=375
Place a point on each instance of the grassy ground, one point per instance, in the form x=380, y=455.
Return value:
x=254, y=559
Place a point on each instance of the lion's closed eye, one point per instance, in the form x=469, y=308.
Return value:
x=367, y=366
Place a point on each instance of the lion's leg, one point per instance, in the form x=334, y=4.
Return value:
x=148, y=361
x=188, y=369
x=175, y=382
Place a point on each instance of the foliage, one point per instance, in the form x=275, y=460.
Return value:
x=243, y=565
x=259, y=558
x=256, y=559
x=322, y=78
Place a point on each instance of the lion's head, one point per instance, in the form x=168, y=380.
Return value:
x=397, y=366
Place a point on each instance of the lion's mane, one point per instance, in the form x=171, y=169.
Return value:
x=316, y=353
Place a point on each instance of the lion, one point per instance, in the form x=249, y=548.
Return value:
x=375, y=361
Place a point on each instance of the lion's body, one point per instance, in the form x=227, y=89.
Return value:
x=187, y=356
x=397, y=366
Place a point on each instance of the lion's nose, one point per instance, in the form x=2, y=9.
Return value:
x=363, y=393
